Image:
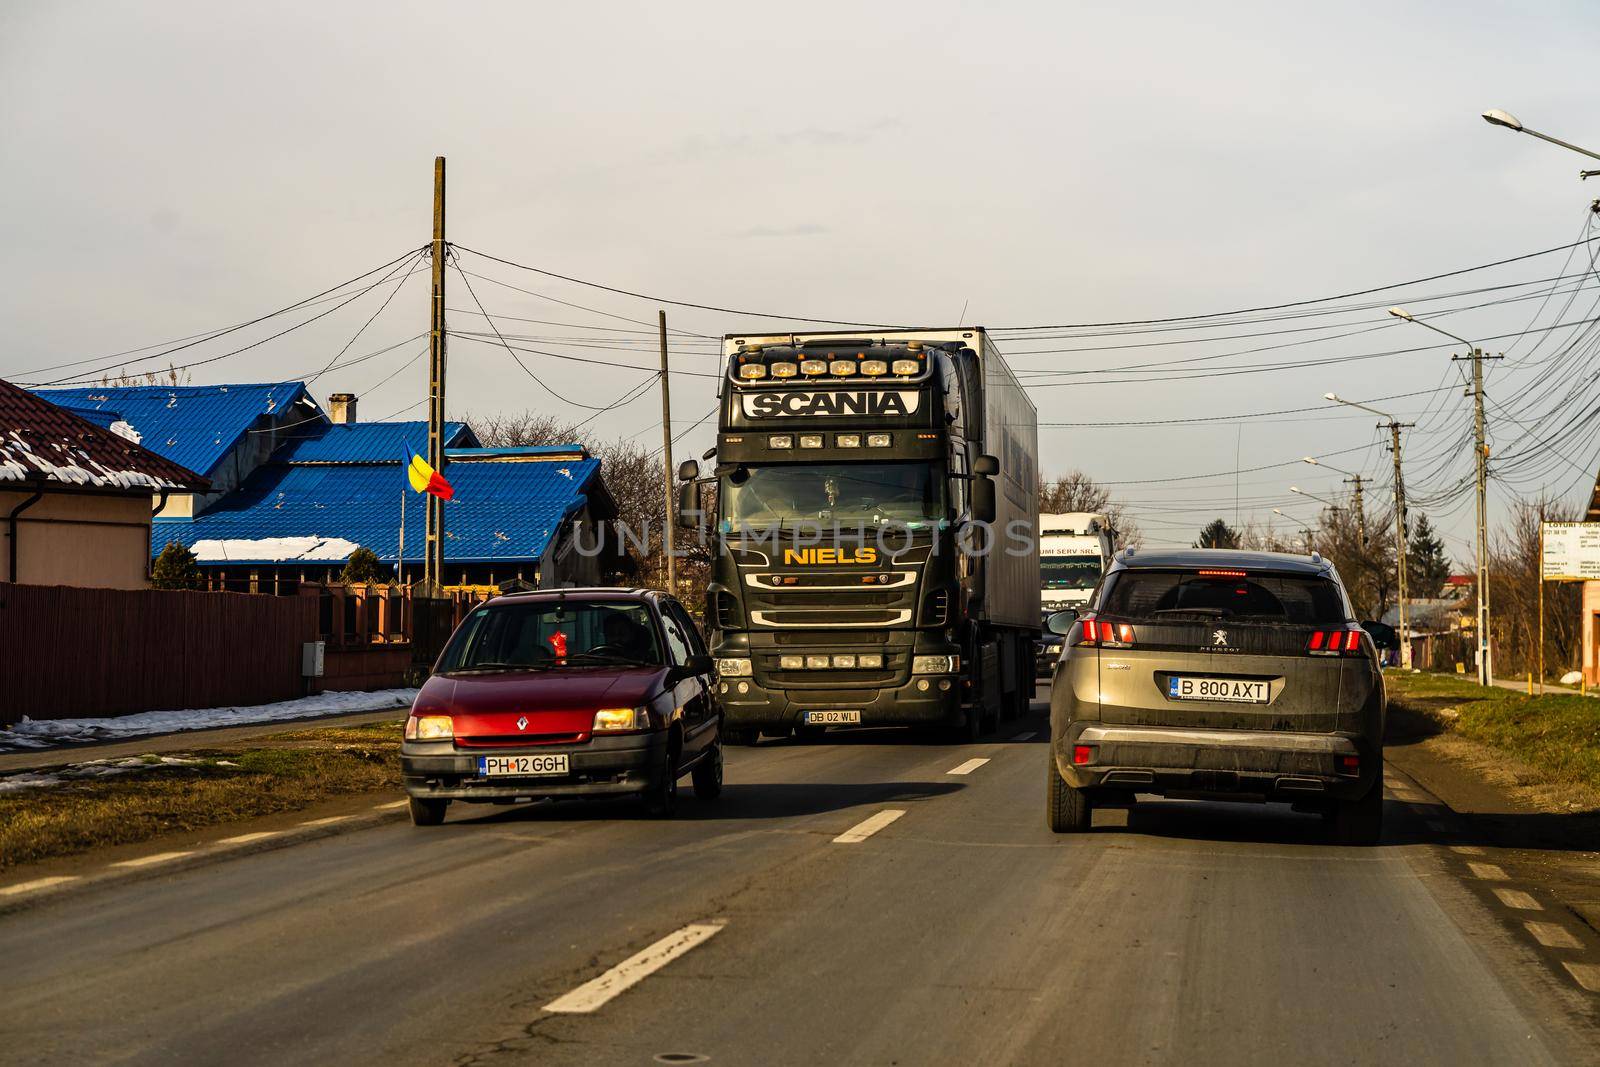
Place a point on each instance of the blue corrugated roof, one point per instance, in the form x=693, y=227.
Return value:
x=503, y=509
x=193, y=425
x=369, y=442
x=99, y=416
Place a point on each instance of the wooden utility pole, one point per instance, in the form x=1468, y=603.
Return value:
x=433, y=559
x=666, y=459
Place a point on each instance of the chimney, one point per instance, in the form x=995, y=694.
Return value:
x=342, y=408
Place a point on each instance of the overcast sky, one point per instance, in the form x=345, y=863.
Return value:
x=175, y=167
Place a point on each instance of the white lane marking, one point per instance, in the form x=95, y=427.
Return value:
x=1585, y=974
x=1552, y=935
x=36, y=884
x=330, y=819
x=1466, y=850
x=245, y=839
x=595, y=993
x=159, y=857
x=1438, y=827
x=1516, y=898
x=1489, y=872
x=1029, y=736
x=967, y=767
x=388, y=807
x=867, y=827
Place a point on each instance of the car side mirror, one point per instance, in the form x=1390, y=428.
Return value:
x=983, y=502
x=986, y=464
x=688, y=470
x=1061, y=622
x=698, y=665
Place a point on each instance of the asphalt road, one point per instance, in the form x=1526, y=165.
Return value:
x=961, y=931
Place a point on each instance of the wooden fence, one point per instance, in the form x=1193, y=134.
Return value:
x=69, y=652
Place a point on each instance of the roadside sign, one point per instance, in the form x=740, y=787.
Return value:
x=1570, y=551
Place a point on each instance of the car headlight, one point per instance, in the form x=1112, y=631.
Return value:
x=734, y=668
x=935, y=664
x=617, y=720
x=430, y=728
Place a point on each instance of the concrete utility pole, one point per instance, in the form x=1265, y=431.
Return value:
x=1361, y=512
x=433, y=557
x=666, y=459
x=1481, y=454
x=1400, y=535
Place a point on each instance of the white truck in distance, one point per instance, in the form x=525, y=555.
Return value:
x=1074, y=549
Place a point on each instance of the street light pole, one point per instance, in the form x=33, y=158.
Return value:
x=1357, y=481
x=1400, y=560
x=1496, y=117
x=1480, y=450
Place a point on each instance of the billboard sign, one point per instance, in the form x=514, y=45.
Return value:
x=1570, y=551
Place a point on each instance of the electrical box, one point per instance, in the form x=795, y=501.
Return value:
x=311, y=654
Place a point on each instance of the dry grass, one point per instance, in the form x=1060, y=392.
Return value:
x=285, y=772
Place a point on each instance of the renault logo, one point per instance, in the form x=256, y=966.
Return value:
x=522, y=722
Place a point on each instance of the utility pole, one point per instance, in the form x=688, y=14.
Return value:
x=433, y=548
x=1481, y=454
x=1361, y=512
x=1401, y=563
x=666, y=458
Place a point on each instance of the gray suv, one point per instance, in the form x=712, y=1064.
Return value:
x=1223, y=675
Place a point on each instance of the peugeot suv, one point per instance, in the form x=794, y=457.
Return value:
x=1218, y=674
x=567, y=693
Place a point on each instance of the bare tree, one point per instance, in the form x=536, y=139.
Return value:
x=1514, y=591
x=172, y=375
x=1076, y=491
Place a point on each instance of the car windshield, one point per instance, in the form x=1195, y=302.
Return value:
x=833, y=493
x=547, y=634
x=1141, y=594
x=1070, y=572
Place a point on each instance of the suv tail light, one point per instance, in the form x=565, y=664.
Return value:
x=1334, y=643
x=1105, y=633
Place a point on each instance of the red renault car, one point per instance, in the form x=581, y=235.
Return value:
x=566, y=693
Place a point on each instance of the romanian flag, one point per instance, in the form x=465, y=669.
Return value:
x=424, y=479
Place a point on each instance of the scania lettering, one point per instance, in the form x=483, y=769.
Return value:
x=855, y=474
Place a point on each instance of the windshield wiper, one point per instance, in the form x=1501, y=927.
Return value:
x=608, y=657
x=490, y=668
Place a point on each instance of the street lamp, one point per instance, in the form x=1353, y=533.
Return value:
x=1395, y=425
x=1353, y=479
x=1313, y=496
x=1496, y=117
x=1481, y=451
x=1305, y=530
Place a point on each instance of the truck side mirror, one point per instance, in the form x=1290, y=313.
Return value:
x=688, y=470
x=1061, y=622
x=983, y=503
x=986, y=465
x=689, y=503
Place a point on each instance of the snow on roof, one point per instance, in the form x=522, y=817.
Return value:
x=276, y=549
x=42, y=442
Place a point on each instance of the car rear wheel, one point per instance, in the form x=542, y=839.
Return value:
x=708, y=774
x=1067, y=810
x=427, y=812
x=1359, y=822
x=661, y=799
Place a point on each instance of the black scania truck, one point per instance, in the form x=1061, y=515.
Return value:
x=873, y=532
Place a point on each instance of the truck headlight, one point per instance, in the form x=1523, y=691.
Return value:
x=618, y=720
x=430, y=728
x=935, y=664
x=734, y=668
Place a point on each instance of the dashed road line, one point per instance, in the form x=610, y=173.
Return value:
x=1466, y=850
x=37, y=883
x=867, y=827
x=159, y=857
x=1585, y=974
x=1552, y=935
x=595, y=993
x=1029, y=736
x=1489, y=872
x=1516, y=898
x=245, y=839
x=968, y=767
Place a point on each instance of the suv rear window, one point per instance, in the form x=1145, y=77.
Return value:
x=1296, y=598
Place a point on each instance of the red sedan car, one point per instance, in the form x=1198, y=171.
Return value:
x=566, y=693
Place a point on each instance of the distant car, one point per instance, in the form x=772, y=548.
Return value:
x=1047, y=649
x=1220, y=674
x=565, y=693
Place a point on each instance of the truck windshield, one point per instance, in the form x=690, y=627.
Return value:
x=1070, y=572
x=846, y=494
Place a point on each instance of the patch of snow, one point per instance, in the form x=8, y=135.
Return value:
x=311, y=549
x=70, y=465
x=1572, y=678
x=100, y=768
x=45, y=733
x=124, y=429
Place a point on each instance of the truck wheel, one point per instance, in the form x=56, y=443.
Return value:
x=707, y=776
x=661, y=799
x=427, y=812
x=1359, y=822
x=1067, y=810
